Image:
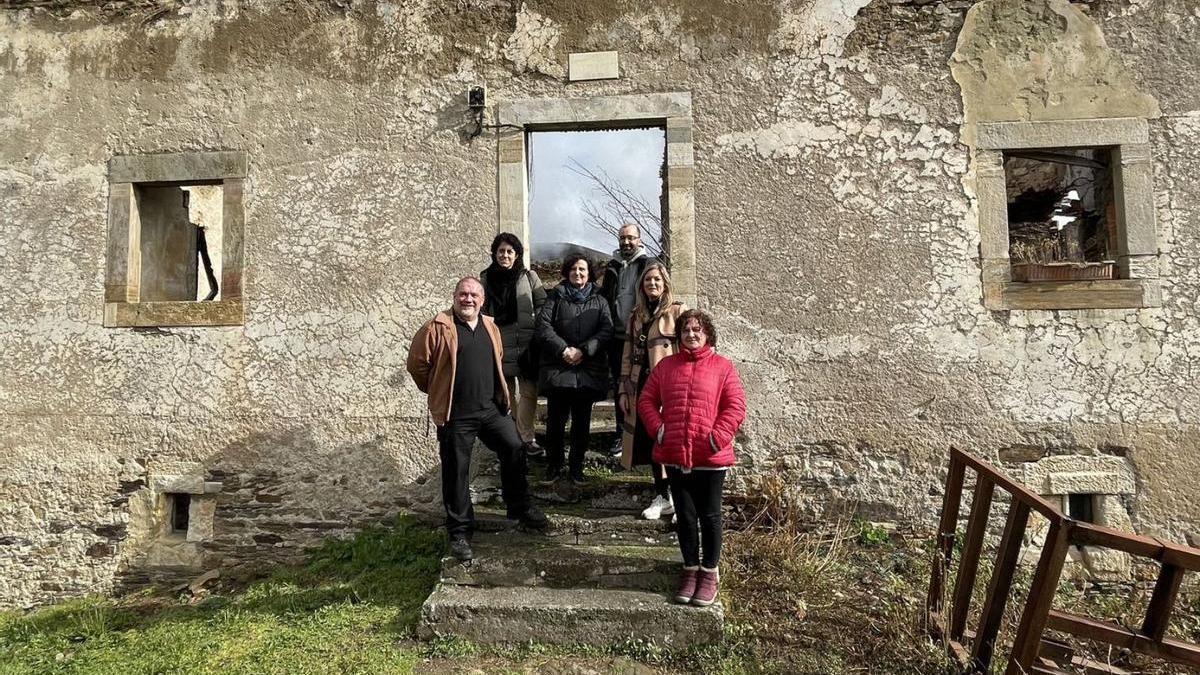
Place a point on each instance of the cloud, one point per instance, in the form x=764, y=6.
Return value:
x=632, y=157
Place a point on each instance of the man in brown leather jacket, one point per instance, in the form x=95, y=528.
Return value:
x=456, y=359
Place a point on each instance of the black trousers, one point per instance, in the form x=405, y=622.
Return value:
x=616, y=350
x=697, y=497
x=561, y=404
x=456, y=438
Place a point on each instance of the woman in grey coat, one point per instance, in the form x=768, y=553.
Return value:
x=573, y=331
x=512, y=297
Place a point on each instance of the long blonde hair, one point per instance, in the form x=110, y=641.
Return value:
x=641, y=310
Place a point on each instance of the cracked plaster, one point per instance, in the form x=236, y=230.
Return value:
x=831, y=164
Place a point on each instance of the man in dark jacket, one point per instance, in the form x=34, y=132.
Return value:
x=619, y=287
x=456, y=359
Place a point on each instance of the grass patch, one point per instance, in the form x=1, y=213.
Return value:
x=348, y=610
x=845, y=598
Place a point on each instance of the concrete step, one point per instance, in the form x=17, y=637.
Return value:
x=504, y=560
x=566, y=616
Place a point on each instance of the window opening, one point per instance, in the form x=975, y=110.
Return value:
x=181, y=233
x=1082, y=507
x=181, y=503
x=1062, y=223
x=584, y=184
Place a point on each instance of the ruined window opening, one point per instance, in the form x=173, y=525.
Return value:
x=1082, y=507
x=175, y=239
x=585, y=183
x=181, y=503
x=1066, y=214
x=180, y=248
x=1061, y=214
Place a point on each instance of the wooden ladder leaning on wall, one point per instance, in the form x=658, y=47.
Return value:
x=1029, y=648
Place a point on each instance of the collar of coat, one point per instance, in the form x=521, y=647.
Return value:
x=697, y=354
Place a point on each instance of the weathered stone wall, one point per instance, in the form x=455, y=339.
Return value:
x=836, y=228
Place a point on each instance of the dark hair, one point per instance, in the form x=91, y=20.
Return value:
x=573, y=258
x=512, y=240
x=701, y=317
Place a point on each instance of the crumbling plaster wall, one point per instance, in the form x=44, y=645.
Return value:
x=835, y=232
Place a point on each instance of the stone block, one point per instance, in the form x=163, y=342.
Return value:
x=596, y=617
x=201, y=516
x=193, y=485
x=178, y=167
x=1061, y=133
x=1073, y=474
x=596, y=110
x=592, y=66
x=1088, y=482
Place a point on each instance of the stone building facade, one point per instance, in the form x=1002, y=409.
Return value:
x=836, y=199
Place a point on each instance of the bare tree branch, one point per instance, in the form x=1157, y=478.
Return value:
x=619, y=205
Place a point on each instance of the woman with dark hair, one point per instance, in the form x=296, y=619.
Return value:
x=652, y=338
x=573, y=330
x=694, y=403
x=512, y=297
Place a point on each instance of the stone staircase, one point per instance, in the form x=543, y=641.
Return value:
x=598, y=575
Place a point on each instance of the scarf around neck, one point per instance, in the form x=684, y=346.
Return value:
x=501, y=291
x=577, y=294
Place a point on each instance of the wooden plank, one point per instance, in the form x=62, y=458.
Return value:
x=951, y=500
x=999, y=585
x=1162, y=602
x=1028, y=638
x=968, y=566
x=1181, y=556
x=1017, y=490
x=1103, y=631
x=1089, y=534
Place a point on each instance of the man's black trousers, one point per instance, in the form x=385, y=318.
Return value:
x=455, y=440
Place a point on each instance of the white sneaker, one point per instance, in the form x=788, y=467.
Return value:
x=658, y=508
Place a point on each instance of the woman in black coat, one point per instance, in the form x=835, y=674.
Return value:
x=512, y=297
x=573, y=329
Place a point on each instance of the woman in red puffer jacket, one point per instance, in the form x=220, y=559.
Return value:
x=694, y=403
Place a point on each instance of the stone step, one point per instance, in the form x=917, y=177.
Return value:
x=566, y=616
x=620, y=492
x=503, y=560
x=584, y=527
x=604, y=414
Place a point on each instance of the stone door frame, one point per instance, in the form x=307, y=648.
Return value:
x=673, y=111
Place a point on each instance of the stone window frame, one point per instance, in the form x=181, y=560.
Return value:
x=672, y=111
x=201, y=508
x=1137, y=243
x=122, y=306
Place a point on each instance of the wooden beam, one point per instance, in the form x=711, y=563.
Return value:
x=1028, y=638
x=1118, y=636
x=947, y=526
x=999, y=585
x=968, y=566
x=1017, y=490
x=1162, y=602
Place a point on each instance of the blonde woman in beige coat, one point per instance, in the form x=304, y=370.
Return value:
x=652, y=337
